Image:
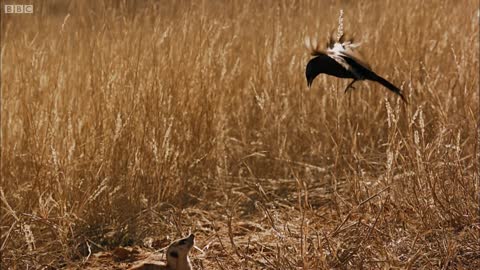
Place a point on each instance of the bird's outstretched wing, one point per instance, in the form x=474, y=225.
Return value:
x=312, y=45
x=347, y=49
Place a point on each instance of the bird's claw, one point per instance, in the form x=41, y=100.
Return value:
x=349, y=87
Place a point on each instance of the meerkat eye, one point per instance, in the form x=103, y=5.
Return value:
x=174, y=254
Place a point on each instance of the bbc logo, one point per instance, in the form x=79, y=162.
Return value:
x=18, y=9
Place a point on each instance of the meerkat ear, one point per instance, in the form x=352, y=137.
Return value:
x=173, y=254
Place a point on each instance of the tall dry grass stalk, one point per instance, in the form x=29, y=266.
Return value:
x=124, y=120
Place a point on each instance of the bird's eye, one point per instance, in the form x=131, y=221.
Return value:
x=174, y=254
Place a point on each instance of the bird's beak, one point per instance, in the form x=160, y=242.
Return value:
x=309, y=83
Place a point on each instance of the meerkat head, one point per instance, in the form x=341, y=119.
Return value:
x=177, y=253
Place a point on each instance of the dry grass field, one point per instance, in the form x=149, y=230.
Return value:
x=132, y=123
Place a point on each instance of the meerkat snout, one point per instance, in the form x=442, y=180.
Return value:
x=177, y=256
x=177, y=253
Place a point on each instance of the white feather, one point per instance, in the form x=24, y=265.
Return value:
x=340, y=50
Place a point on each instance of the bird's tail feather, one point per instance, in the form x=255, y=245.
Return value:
x=388, y=85
x=368, y=74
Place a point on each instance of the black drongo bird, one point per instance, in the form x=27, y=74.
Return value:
x=340, y=60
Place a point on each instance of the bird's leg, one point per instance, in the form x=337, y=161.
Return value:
x=350, y=85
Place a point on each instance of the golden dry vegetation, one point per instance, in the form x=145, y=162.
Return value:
x=129, y=123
